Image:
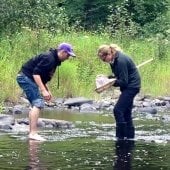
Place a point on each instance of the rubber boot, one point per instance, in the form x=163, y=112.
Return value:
x=130, y=130
x=121, y=131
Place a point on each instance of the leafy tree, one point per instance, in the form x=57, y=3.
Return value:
x=134, y=17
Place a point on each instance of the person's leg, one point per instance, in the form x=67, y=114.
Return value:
x=129, y=123
x=122, y=112
x=118, y=111
x=128, y=114
x=33, y=95
x=33, y=119
x=121, y=130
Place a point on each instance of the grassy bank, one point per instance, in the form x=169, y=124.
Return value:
x=77, y=76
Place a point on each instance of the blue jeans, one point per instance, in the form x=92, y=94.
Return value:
x=31, y=90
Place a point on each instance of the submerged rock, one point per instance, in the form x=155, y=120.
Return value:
x=6, y=120
x=8, y=123
x=147, y=110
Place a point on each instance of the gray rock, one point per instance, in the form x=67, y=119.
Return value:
x=50, y=104
x=105, y=104
x=166, y=98
x=138, y=103
x=6, y=120
x=166, y=118
x=97, y=105
x=75, y=108
x=59, y=101
x=19, y=109
x=158, y=102
x=147, y=110
x=146, y=104
x=77, y=101
x=24, y=121
x=110, y=108
x=5, y=127
x=53, y=123
x=41, y=124
x=86, y=107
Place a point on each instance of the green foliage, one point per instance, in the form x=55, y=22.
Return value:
x=159, y=26
x=138, y=18
x=146, y=11
x=120, y=22
x=33, y=14
x=121, y=17
x=89, y=13
x=163, y=46
x=30, y=27
x=67, y=79
x=77, y=76
x=1, y=107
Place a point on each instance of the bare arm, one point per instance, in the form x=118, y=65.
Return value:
x=43, y=88
x=47, y=88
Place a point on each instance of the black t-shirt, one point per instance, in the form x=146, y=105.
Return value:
x=44, y=65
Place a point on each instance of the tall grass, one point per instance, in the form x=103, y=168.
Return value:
x=77, y=76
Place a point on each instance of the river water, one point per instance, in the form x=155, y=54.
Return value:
x=90, y=145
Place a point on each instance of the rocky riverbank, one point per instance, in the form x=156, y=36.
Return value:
x=142, y=104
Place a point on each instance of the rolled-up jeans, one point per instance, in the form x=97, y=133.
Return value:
x=31, y=90
x=123, y=108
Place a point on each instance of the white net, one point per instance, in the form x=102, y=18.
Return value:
x=103, y=83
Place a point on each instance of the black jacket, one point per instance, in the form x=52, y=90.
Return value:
x=125, y=71
x=44, y=65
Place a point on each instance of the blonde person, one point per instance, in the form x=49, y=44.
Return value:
x=33, y=77
x=128, y=79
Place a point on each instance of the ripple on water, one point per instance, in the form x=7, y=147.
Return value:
x=99, y=131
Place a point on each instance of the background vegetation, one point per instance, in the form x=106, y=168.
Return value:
x=140, y=27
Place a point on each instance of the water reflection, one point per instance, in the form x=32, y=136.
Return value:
x=33, y=150
x=123, y=151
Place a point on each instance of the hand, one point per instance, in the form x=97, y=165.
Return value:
x=114, y=79
x=46, y=95
x=50, y=94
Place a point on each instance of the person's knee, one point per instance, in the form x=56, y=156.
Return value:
x=39, y=103
x=118, y=114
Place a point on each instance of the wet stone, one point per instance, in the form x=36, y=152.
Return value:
x=5, y=127
x=6, y=120
x=165, y=98
x=77, y=101
x=87, y=108
x=24, y=121
x=147, y=110
x=8, y=123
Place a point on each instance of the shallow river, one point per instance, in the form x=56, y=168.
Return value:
x=90, y=145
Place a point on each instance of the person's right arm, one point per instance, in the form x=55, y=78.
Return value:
x=44, y=91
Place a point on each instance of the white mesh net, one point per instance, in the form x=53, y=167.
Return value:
x=103, y=83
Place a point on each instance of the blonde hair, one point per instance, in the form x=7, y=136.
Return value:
x=105, y=49
x=115, y=47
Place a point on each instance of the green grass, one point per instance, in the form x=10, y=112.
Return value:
x=77, y=76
